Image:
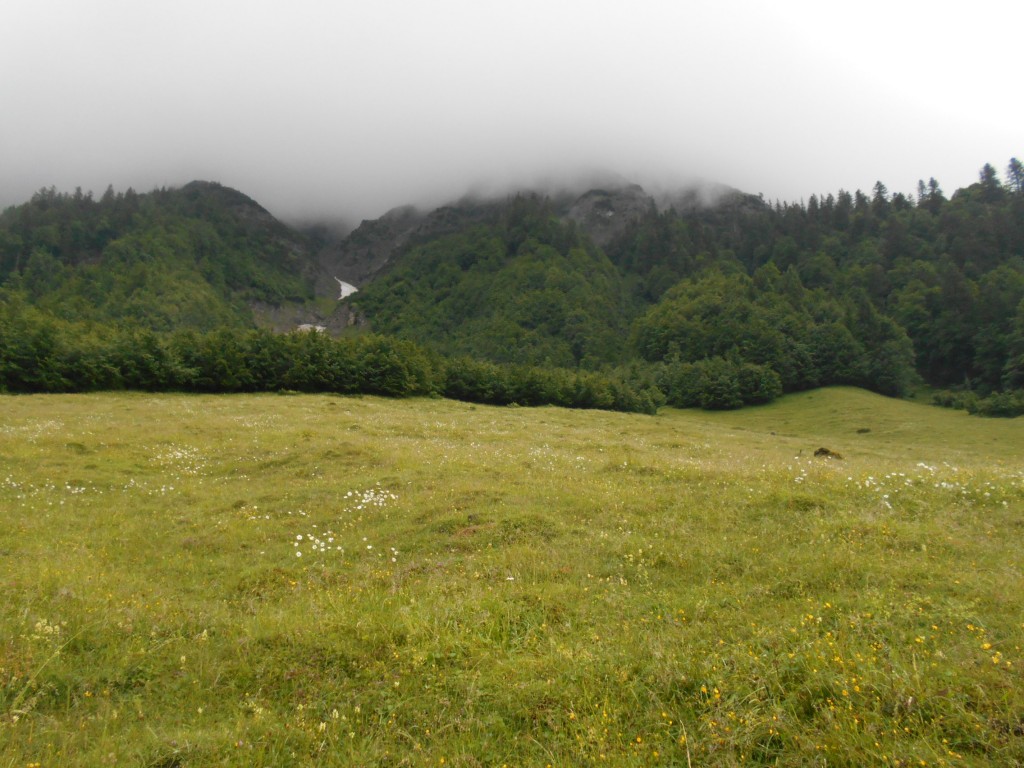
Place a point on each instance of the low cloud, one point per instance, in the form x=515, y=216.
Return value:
x=325, y=110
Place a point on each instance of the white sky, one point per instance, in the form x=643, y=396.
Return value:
x=321, y=108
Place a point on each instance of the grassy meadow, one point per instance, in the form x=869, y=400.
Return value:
x=316, y=580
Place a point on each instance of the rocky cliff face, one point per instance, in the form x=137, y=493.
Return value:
x=360, y=256
x=604, y=214
x=370, y=248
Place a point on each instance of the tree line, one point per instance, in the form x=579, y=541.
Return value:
x=42, y=354
x=907, y=288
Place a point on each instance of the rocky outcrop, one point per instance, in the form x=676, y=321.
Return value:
x=359, y=257
x=604, y=214
x=370, y=248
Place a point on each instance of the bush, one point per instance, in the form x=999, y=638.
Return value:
x=758, y=384
x=964, y=401
x=717, y=384
x=1006, y=405
x=720, y=386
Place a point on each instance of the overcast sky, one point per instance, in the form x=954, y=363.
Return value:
x=341, y=108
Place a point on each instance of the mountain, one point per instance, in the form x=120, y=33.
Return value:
x=368, y=251
x=714, y=296
x=512, y=283
x=203, y=256
x=882, y=290
x=602, y=212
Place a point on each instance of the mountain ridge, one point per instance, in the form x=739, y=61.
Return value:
x=602, y=212
x=880, y=290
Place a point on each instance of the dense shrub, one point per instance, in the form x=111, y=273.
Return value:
x=42, y=354
x=1002, y=404
x=717, y=384
x=483, y=382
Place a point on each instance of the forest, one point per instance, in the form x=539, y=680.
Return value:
x=712, y=306
x=884, y=291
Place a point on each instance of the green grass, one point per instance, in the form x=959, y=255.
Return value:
x=506, y=585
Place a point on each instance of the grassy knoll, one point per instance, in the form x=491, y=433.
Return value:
x=300, y=580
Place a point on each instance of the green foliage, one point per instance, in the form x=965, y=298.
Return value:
x=524, y=288
x=512, y=384
x=720, y=387
x=999, y=404
x=803, y=336
x=758, y=384
x=29, y=350
x=1005, y=405
x=855, y=289
x=717, y=383
x=188, y=258
x=879, y=290
x=955, y=399
x=41, y=354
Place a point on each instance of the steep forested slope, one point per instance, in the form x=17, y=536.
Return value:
x=195, y=257
x=879, y=291
x=523, y=287
x=947, y=273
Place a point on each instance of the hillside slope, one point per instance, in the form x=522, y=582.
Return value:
x=864, y=426
x=203, y=256
x=522, y=287
x=882, y=290
x=716, y=297
x=335, y=581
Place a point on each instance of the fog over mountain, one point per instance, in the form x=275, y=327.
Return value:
x=326, y=109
